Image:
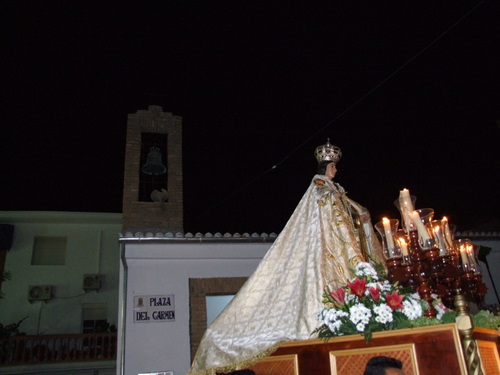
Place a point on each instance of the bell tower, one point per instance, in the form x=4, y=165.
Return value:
x=152, y=188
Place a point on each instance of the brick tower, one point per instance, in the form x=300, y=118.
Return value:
x=152, y=191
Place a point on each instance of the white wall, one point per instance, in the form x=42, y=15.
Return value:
x=92, y=248
x=165, y=269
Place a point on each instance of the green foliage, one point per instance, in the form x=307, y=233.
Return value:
x=424, y=321
x=486, y=319
x=449, y=317
x=11, y=330
x=379, y=267
x=483, y=319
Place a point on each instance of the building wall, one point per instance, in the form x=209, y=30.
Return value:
x=152, y=268
x=92, y=248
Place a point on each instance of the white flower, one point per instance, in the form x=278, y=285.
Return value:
x=320, y=315
x=329, y=316
x=365, y=269
x=333, y=319
x=412, y=309
x=360, y=327
x=440, y=308
x=342, y=314
x=440, y=312
x=334, y=326
x=350, y=298
x=415, y=296
x=360, y=313
x=333, y=315
x=386, y=286
x=384, y=314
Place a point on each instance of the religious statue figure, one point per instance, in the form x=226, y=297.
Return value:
x=317, y=248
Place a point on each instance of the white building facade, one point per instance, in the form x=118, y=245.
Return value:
x=64, y=270
x=165, y=283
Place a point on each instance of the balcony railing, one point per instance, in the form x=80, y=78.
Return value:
x=25, y=350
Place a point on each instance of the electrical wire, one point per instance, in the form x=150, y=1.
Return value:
x=341, y=114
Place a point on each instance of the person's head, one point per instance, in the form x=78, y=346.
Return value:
x=327, y=168
x=384, y=366
x=325, y=155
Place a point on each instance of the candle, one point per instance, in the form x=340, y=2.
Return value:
x=422, y=232
x=404, y=247
x=447, y=232
x=388, y=232
x=437, y=235
x=472, y=258
x=463, y=254
x=406, y=207
x=470, y=249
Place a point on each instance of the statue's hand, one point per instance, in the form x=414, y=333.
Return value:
x=319, y=182
x=365, y=217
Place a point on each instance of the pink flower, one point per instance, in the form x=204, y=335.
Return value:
x=442, y=307
x=375, y=293
x=339, y=295
x=358, y=287
x=394, y=300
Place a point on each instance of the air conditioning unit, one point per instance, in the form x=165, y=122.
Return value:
x=92, y=282
x=40, y=292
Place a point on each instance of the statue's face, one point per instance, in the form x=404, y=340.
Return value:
x=331, y=170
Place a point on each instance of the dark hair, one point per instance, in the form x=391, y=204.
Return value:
x=377, y=365
x=321, y=169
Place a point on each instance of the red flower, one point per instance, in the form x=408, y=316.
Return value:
x=394, y=300
x=375, y=293
x=339, y=295
x=358, y=287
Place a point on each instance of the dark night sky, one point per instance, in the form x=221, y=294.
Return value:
x=408, y=90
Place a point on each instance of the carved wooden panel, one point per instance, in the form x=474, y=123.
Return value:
x=420, y=349
x=353, y=361
x=489, y=357
x=277, y=365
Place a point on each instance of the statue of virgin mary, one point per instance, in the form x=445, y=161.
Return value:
x=316, y=250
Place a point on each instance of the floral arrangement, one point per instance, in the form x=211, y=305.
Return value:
x=369, y=304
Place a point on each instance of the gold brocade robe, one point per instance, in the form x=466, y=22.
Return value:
x=280, y=301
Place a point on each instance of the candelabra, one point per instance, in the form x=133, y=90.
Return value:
x=422, y=272
x=424, y=256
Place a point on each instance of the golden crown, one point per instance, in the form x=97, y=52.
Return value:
x=328, y=152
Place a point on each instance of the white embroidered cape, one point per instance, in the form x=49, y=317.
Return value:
x=280, y=301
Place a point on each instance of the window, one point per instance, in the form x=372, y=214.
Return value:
x=215, y=305
x=49, y=251
x=94, y=318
